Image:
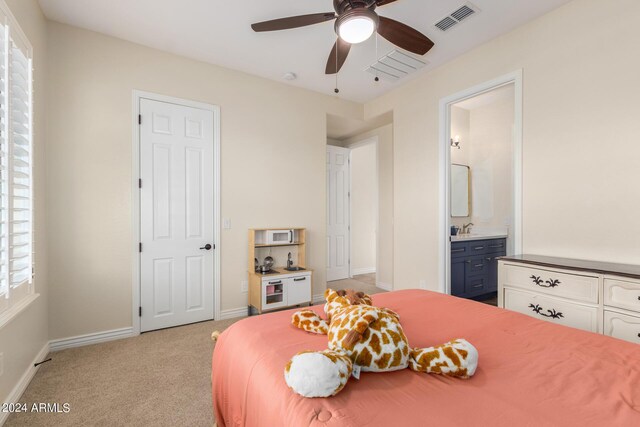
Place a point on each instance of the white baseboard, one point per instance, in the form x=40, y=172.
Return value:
x=89, y=339
x=385, y=286
x=317, y=298
x=233, y=313
x=15, y=394
x=365, y=270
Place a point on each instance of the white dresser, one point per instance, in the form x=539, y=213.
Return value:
x=594, y=296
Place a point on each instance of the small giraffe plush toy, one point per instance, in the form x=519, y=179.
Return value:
x=370, y=338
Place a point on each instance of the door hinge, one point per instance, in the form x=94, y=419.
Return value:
x=140, y=247
x=348, y=193
x=139, y=119
x=139, y=311
x=140, y=183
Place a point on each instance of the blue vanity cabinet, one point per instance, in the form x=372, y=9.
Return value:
x=459, y=255
x=474, y=266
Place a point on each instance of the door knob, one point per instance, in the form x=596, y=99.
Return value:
x=207, y=247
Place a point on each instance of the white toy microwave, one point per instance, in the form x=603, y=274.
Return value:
x=275, y=237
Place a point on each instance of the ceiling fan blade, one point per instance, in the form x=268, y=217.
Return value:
x=384, y=2
x=335, y=64
x=404, y=36
x=293, y=22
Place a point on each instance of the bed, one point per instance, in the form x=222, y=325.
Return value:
x=530, y=373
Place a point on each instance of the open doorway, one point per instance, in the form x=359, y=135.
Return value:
x=481, y=173
x=366, y=213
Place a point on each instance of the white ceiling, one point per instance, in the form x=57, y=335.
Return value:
x=218, y=32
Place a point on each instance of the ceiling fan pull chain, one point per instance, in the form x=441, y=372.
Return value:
x=377, y=79
x=336, y=90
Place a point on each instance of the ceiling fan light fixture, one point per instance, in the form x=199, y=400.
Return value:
x=357, y=25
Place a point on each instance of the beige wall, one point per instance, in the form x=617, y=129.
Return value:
x=23, y=337
x=460, y=126
x=460, y=123
x=384, y=267
x=364, y=207
x=273, y=140
x=580, y=153
x=490, y=158
x=487, y=148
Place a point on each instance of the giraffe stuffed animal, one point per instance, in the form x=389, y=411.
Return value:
x=370, y=338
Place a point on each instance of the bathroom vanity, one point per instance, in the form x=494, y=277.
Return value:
x=474, y=264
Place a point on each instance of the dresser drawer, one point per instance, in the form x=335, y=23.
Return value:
x=622, y=326
x=578, y=287
x=622, y=294
x=551, y=309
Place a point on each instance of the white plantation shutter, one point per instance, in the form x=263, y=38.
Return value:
x=16, y=163
x=20, y=169
x=4, y=149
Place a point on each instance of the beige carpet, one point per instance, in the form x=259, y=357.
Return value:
x=160, y=378
x=364, y=282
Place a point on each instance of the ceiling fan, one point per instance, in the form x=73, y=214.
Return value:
x=356, y=21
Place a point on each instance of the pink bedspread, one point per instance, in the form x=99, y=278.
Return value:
x=530, y=373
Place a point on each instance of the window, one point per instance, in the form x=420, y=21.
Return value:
x=16, y=164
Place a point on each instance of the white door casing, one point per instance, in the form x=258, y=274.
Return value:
x=337, y=213
x=515, y=78
x=176, y=214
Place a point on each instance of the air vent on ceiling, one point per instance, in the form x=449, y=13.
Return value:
x=395, y=65
x=446, y=23
x=464, y=12
x=457, y=16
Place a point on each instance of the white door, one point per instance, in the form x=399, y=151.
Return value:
x=337, y=213
x=176, y=208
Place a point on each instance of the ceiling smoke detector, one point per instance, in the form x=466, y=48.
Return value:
x=289, y=76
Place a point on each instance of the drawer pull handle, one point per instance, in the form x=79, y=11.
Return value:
x=478, y=248
x=299, y=279
x=490, y=259
x=458, y=250
x=497, y=246
x=478, y=265
x=551, y=283
x=279, y=282
x=480, y=285
x=553, y=314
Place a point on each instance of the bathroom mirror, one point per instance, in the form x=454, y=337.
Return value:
x=460, y=200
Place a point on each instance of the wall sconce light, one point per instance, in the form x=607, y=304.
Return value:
x=455, y=142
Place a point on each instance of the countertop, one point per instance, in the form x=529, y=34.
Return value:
x=626, y=270
x=281, y=272
x=470, y=237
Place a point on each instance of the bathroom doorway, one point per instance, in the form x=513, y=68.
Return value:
x=481, y=191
